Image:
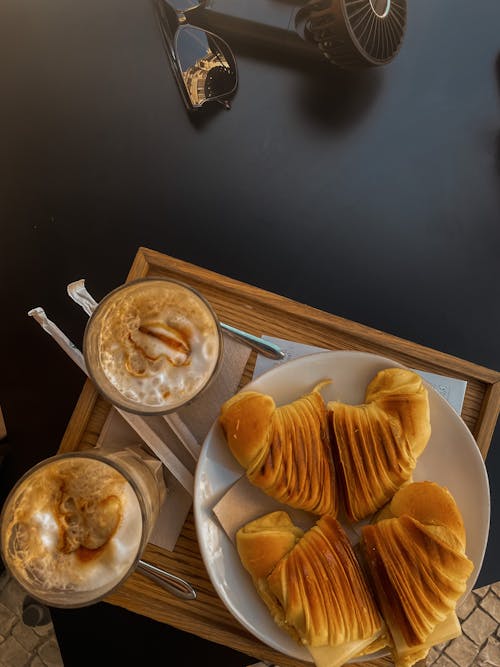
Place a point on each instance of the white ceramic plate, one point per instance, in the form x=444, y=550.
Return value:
x=451, y=459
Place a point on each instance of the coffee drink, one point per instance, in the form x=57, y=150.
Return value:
x=152, y=345
x=73, y=528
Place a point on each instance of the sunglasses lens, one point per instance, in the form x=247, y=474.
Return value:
x=208, y=67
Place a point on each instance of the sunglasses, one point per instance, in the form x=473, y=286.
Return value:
x=203, y=64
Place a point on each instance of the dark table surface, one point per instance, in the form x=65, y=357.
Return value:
x=373, y=195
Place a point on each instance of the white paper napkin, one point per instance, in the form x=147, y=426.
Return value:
x=199, y=417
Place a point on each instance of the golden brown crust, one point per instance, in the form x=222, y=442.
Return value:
x=402, y=393
x=264, y=541
x=376, y=445
x=261, y=544
x=316, y=591
x=432, y=505
x=245, y=419
x=417, y=565
x=285, y=450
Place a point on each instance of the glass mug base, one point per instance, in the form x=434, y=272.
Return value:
x=74, y=527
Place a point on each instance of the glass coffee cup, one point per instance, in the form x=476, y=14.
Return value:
x=74, y=527
x=152, y=346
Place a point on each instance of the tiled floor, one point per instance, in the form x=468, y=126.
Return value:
x=20, y=644
x=479, y=645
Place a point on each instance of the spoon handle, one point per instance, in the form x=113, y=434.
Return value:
x=262, y=346
x=175, y=585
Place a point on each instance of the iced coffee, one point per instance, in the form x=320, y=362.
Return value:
x=152, y=345
x=74, y=527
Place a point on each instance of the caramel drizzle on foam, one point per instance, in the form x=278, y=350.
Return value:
x=176, y=349
x=86, y=526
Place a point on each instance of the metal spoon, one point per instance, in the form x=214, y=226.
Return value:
x=170, y=582
x=264, y=347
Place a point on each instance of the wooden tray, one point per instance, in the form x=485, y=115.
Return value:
x=261, y=312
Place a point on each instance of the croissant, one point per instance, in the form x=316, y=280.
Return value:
x=376, y=445
x=285, y=450
x=417, y=564
x=261, y=544
x=312, y=584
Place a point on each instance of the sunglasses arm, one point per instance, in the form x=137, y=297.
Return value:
x=273, y=22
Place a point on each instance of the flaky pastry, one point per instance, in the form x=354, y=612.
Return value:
x=376, y=445
x=417, y=564
x=312, y=584
x=285, y=450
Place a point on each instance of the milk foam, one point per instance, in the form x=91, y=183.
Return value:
x=158, y=344
x=64, y=533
